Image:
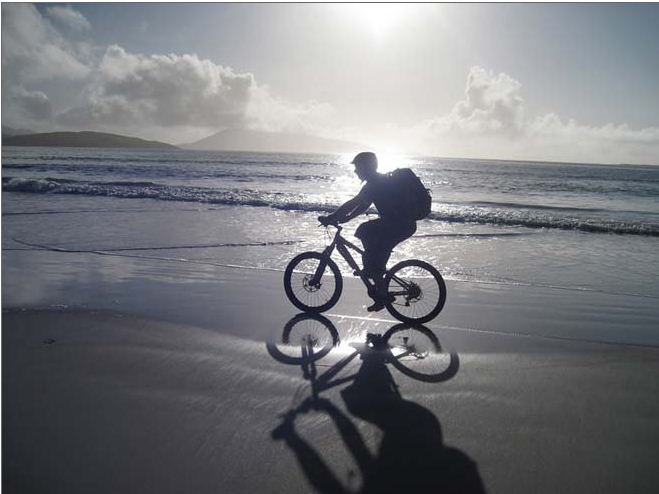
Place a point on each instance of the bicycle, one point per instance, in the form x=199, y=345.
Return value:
x=416, y=292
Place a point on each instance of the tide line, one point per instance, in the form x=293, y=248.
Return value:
x=117, y=252
x=165, y=247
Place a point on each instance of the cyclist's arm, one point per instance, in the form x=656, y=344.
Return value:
x=350, y=209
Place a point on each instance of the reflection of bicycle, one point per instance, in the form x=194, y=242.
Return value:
x=416, y=291
x=411, y=451
x=413, y=350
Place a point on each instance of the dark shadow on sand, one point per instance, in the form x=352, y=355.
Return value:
x=412, y=456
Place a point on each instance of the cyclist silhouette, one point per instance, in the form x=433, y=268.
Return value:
x=379, y=236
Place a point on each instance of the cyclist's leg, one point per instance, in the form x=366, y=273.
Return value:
x=379, y=238
x=370, y=233
x=391, y=235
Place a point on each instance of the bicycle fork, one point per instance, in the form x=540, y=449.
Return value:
x=327, y=253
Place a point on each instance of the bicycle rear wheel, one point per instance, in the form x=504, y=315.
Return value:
x=417, y=292
x=312, y=282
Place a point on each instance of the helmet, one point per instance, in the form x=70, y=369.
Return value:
x=366, y=161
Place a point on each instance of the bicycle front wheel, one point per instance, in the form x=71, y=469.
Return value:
x=313, y=283
x=305, y=339
x=417, y=291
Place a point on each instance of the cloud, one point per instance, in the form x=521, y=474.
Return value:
x=26, y=108
x=69, y=18
x=183, y=91
x=163, y=90
x=33, y=50
x=267, y=112
x=570, y=141
x=492, y=105
x=150, y=95
x=34, y=105
x=491, y=121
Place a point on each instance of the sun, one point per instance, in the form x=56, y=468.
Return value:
x=379, y=19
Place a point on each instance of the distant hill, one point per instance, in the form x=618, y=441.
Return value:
x=10, y=131
x=83, y=139
x=278, y=142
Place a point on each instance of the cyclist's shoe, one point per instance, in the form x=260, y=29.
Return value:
x=378, y=303
x=376, y=306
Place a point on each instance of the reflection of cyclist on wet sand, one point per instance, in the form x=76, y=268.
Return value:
x=411, y=456
x=378, y=236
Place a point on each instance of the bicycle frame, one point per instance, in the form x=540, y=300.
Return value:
x=343, y=246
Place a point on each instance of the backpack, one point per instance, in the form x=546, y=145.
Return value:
x=413, y=198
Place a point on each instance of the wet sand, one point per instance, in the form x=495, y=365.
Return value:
x=176, y=392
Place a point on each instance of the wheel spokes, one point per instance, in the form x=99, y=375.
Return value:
x=415, y=290
x=310, y=288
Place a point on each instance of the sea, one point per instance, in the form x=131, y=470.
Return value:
x=581, y=227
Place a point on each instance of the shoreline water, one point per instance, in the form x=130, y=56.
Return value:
x=541, y=312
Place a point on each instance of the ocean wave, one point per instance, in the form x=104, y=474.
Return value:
x=531, y=220
x=497, y=204
x=510, y=216
x=168, y=171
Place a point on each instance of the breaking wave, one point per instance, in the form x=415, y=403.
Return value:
x=505, y=214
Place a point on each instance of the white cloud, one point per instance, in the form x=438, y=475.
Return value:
x=129, y=91
x=491, y=122
x=33, y=50
x=35, y=105
x=31, y=109
x=492, y=104
x=610, y=143
x=149, y=95
x=34, y=53
x=162, y=90
x=69, y=18
x=266, y=112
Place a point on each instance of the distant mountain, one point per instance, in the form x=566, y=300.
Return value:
x=277, y=142
x=85, y=139
x=9, y=131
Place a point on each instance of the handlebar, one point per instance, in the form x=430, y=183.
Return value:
x=326, y=223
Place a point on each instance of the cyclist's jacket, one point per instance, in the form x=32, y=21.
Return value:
x=379, y=191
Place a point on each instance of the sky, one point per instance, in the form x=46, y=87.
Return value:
x=554, y=82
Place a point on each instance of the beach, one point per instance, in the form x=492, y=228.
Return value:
x=144, y=350
x=109, y=401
